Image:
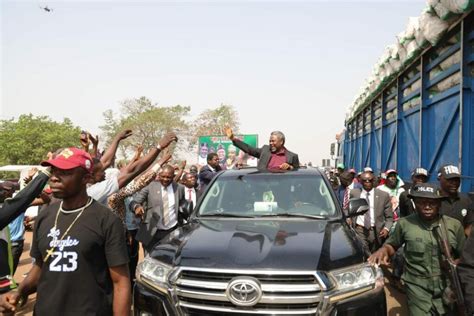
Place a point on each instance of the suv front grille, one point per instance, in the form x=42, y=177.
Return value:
x=203, y=292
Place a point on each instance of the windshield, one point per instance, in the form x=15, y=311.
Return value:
x=255, y=195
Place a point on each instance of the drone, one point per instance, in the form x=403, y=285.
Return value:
x=45, y=8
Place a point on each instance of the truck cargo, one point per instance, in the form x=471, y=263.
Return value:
x=422, y=114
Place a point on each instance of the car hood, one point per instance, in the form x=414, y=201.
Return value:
x=289, y=244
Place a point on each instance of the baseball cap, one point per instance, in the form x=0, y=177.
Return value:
x=389, y=171
x=420, y=172
x=449, y=172
x=424, y=190
x=368, y=169
x=352, y=171
x=70, y=158
x=340, y=166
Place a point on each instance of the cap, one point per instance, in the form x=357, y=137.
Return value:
x=368, y=169
x=352, y=171
x=340, y=166
x=424, y=190
x=389, y=171
x=70, y=158
x=419, y=172
x=449, y=172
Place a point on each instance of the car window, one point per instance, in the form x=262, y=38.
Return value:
x=263, y=194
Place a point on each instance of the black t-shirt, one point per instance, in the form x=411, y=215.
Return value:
x=406, y=204
x=460, y=208
x=75, y=280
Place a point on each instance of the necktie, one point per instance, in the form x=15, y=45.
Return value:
x=166, y=207
x=367, y=222
x=345, y=204
x=190, y=194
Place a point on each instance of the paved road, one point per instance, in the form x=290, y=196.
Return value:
x=396, y=302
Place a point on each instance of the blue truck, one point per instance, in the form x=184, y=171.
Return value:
x=423, y=116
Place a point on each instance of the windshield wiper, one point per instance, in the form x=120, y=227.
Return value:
x=295, y=215
x=225, y=215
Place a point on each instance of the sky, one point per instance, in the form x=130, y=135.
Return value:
x=293, y=66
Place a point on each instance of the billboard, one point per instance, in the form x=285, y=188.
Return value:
x=228, y=154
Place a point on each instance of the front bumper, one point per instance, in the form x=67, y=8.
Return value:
x=148, y=301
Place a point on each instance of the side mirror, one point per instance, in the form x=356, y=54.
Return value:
x=357, y=207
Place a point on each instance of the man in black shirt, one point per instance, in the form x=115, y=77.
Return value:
x=455, y=204
x=79, y=249
x=407, y=206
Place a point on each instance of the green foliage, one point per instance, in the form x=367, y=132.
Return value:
x=28, y=139
x=148, y=122
x=213, y=121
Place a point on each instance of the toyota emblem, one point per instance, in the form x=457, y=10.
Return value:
x=244, y=291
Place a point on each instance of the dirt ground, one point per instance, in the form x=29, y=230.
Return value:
x=396, y=301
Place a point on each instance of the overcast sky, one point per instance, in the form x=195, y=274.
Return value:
x=293, y=66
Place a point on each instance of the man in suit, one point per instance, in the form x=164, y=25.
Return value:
x=273, y=156
x=373, y=227
x=162, y=208
x=188, y=189
x=209, y=171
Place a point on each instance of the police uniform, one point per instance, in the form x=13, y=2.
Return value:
x=423, y=277
x=459, y=206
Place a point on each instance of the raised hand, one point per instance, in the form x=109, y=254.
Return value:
x=165, y=157
x=167, y=140
x=124, y=134
x=93, y=140
x=138, y=153
x=84, y=140
x=229, y=133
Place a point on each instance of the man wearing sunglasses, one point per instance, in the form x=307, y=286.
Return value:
x=373, y=227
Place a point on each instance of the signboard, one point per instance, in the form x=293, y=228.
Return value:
x=228, y=154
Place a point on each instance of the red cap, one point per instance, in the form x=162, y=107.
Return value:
x=70, y=158
x=389, y=171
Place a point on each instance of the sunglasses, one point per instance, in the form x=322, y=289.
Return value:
x=368, y=180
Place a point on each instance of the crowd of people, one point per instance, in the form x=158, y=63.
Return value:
x=405, y=228
x=94, y=215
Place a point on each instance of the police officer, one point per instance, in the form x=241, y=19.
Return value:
x=424, y=280
x=456, y=205
x=407, y=207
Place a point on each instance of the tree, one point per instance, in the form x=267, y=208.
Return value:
x=213, y=121
x=148, y=122
x=27, y=140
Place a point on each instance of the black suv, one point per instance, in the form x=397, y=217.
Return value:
x=262, y=243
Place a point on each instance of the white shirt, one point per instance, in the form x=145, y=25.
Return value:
x=173, y=217
x=212, y=169
x=193, y=195
x=360, y=219
x=100, y=191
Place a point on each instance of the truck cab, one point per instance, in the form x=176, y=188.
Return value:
x=261, y=243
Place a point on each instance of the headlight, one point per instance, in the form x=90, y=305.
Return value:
x=153, y=270
x=356, y=277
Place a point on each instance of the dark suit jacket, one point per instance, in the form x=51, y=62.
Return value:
x=264, y=154
x=183, y=191
x=151, y=194
x=382, y=210
x=205, y=176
